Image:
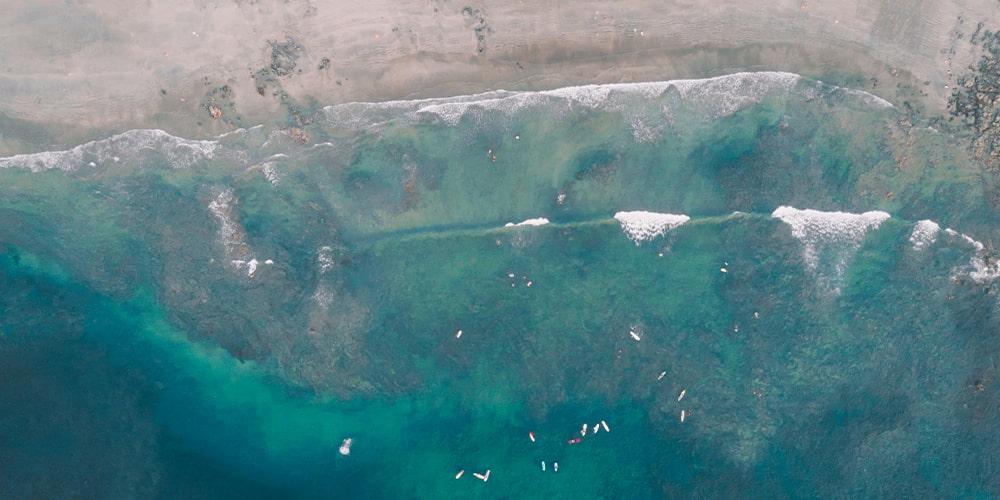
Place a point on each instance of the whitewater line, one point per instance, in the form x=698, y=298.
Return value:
x=501, y=229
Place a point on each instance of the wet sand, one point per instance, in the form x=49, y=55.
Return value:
x=76, y=71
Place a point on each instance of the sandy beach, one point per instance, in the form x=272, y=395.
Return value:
x=74, y=71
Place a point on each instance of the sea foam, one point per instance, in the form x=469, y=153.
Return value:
x=924, y=234
x=833, y=235
x=723, y=95
x=232, y=234
x=324, y=296
x=270, y=169
x=540, y=221
x=649, y=108
x=717, y=96
x=866, y=99
x=983, y=266
x=271, y=172
x=125, y=147
x=643, y=226
x=325, y=258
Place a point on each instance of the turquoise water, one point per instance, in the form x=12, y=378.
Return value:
x=214, y=318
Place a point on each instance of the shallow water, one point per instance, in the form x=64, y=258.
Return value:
x=213, y=318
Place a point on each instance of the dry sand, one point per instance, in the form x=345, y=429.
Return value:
x=73, y=70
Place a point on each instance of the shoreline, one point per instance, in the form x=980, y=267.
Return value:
x=231, y=65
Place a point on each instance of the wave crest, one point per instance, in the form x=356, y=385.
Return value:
x=642, y=226
x=829, y=239
x=125, y=147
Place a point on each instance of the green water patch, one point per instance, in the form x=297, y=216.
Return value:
x=493, y=167
x=809, y=155
x=548, y=357
x=287, y=225
x=73, y=222
x=869, y=273
x=820, y=147
x=216, y=407
x=218, y=410
x=531, y=164
x=553, y=305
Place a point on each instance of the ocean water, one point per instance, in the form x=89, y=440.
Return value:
x=765, y=286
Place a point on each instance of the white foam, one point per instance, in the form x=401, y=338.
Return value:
x=859, y=98
x=966, y=238
x=230, y=231
x=983, y=270
x=717, y=96
x=836, y=233
x=642, y=226
x=726, y=94
x=540, y=221
x=325, y=258
x=232, y=234
x=125, y=147
x=924, y=234
x=650, y=108
x=271, y=172
x=324, y=296
x=249, y=265
x=241, y=132
x=869, y=100
x=983, y=267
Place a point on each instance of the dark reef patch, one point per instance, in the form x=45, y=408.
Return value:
x=477, y=20
x=598, y=166
x=284, y=62
x=976, y=98
x=220, y=104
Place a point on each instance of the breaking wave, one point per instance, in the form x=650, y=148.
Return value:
x=642, y=226
x=127, y=148
x=829, y=239
x=709, y=98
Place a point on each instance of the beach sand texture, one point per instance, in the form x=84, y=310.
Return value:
x=202, y=67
